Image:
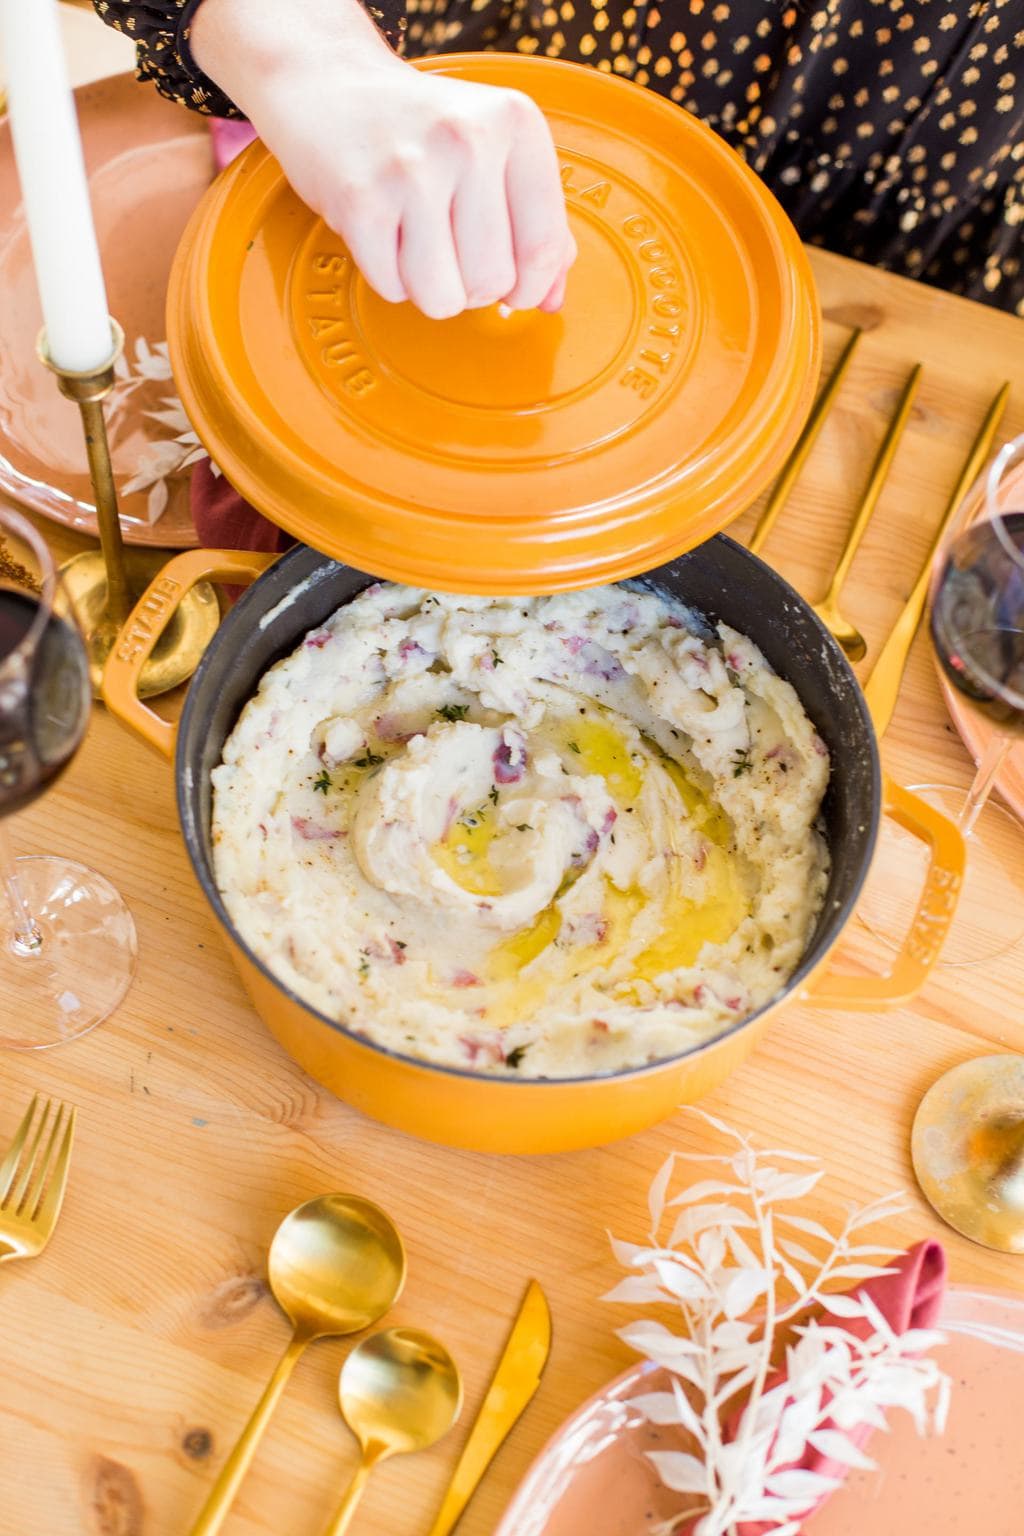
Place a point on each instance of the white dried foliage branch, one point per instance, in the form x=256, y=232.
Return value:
x=163, y=456
x=739, y=1266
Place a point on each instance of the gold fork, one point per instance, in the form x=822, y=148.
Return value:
x=32, y=1182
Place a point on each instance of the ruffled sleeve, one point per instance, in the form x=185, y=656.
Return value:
x=160, y=32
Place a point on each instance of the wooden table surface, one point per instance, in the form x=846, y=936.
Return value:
x=135, y=1347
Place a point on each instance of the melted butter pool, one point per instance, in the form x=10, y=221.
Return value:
x=589, y=744
x=464, y=853
x=525, y=967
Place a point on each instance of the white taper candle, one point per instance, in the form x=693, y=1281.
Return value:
x=48, y=151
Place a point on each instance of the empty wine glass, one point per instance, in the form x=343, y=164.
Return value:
x=67, y=941
x=977, y=630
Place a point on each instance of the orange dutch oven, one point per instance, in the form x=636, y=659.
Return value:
x=519, y=453
x=296, y=593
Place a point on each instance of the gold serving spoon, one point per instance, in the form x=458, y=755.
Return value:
x=336, y=1265
x=399, y=1391
x=828, y=610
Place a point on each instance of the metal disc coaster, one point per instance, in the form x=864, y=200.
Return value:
x=968, y=1150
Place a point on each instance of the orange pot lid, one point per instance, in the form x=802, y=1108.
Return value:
x=522, y=453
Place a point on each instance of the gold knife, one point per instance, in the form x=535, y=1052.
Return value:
x=513, y=1384
x=883, y=686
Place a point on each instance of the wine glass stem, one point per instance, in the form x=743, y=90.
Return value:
x=991, y=761
x=25, y=937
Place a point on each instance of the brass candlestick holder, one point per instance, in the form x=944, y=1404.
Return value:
x=104, y=584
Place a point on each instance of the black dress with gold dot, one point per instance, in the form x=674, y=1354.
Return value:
x=890, y=130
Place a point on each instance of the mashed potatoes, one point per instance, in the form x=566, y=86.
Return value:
x=546, y=837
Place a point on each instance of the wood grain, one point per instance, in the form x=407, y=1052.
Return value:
x=135, y=1347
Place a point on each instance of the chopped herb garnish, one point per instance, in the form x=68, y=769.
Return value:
x=368, y=760
x=453, y=712
x=515, y=1057
x=574, y=747
x=524, y=826
x=322, y=782
x=742, y=763
x=492, y=794
x=499, y=661
x=364, y=967
x=401, y=944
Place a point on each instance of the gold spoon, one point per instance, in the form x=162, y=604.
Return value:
x=399, y=1391
x=828, y=610
x=336, y=1265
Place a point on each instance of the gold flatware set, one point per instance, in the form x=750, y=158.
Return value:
x=336, y=1266
x=883, y=685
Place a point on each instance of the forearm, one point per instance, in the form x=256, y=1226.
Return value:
x=244, y=44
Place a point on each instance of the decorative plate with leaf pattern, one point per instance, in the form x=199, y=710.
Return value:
x=149, y=162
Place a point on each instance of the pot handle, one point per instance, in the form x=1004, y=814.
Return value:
x=147, y=622
x=935, y=912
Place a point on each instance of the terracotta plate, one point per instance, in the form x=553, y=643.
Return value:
x=592, y=1476
x=149, y=162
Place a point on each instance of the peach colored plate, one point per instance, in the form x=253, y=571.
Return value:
x=593, y=1477
x=149, y=162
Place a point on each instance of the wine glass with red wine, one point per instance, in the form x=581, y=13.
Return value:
x=968, y=1138
x=977, y=629
x=67, y=941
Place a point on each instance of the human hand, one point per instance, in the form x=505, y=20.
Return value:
x=447, y=193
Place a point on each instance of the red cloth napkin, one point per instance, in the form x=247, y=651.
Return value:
x=909, y=1297
x=223, y=520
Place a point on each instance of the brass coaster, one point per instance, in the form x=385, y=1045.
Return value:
x=968, y=1150
x=180, y=647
